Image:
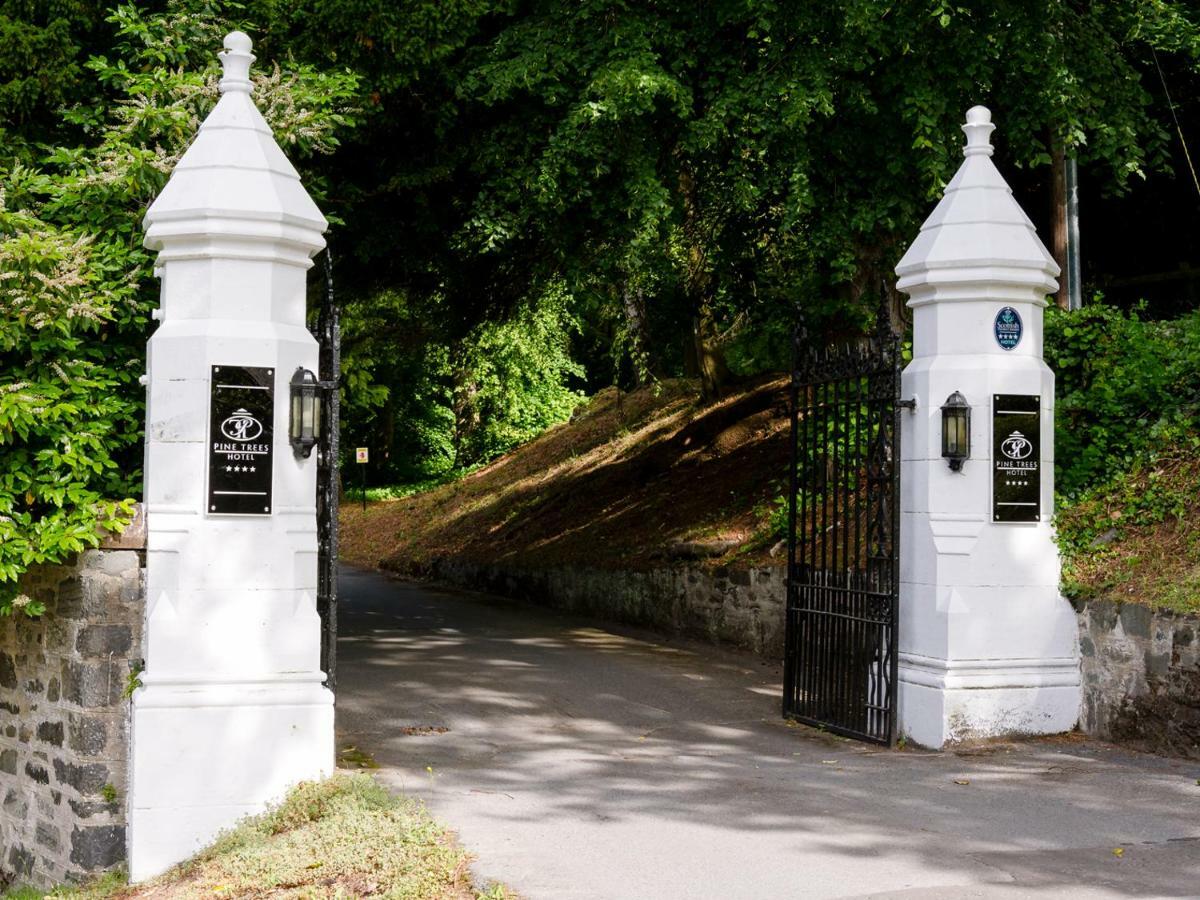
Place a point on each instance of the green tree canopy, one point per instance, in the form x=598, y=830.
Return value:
x=693, y=172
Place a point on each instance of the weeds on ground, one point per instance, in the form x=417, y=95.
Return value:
x=342, y=837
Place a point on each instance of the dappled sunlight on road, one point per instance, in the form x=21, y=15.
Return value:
x=573, y=751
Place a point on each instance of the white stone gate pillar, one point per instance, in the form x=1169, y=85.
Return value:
x=232, y=710
x=987, y=644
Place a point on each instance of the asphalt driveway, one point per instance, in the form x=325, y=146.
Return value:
x=578, y=760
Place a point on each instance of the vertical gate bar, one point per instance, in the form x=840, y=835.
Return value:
x=861, y=407
x=329, y=338
x=802, y=618
x=812, y=614
x=826, y=600
x=806, y=651
x=894, y=614
x=845, y=603
x=829, y=532
x=852, y=491
x=789, y=625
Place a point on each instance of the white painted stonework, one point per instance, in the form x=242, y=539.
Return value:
x=232, y=710
x=988, y=646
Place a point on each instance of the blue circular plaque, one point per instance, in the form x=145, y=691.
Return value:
x=1008, y=328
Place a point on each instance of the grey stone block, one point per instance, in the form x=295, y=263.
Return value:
x=101, y=593
x=1136, y=620
x=70, y=600
x=88, y=778
x=111, y=562
x=15, y=806
x=92, y=685
x=1103, y=615
x=102, y=640
x=20, y=861
x=87, y=735
x=37, y=773
x=47, y=836
x=8, y=672
x=96, y=847
x=85, y=809
x=50, y=733
x=1157, y=664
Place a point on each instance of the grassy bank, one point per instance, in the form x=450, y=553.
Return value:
x=635, y=480
x=1137, y=538
x=343, y=837
x=626, y=483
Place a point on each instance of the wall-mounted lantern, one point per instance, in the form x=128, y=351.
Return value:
x=305, y=425
x=956, y=430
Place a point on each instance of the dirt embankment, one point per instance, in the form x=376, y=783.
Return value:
x=631, y=481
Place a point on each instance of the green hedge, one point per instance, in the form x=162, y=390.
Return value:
x=1124, y=386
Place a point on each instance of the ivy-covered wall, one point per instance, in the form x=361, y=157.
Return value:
x=64, y=715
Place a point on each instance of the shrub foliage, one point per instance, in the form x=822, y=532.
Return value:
x=76, y=285
x=1124, y=384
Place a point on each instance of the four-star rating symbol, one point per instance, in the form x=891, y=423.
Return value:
x=240, y=469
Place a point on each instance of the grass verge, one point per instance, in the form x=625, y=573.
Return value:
x=1137, y=538
x=342, y=837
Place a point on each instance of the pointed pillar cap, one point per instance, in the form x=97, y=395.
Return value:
x=977, y=244
x=233, y=193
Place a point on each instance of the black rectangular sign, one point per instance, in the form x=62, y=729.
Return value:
x=240, y=440
x=1016, y=458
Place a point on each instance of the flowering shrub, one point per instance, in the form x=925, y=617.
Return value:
x=76, y=286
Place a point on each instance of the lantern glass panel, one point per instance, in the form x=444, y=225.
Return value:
x=310, y=412
x=295, y=426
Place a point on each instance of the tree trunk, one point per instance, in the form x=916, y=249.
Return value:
x=1058, y=218
x=708, y=355
x=639, y=335
x=710, y=358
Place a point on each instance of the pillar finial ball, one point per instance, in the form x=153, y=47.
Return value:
x=978, y=130
x=235, y=61
x=238, y=42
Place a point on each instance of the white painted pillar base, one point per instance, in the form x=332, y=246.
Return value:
x=211, y=754
x=944, y=702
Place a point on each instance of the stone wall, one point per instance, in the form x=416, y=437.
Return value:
x=1141, y=676
x=741, y=607
x=64, y=719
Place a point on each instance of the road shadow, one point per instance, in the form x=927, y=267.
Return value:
x=555, y=722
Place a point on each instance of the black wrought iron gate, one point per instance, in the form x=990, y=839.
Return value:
x=843, y=542
x=329, y=337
